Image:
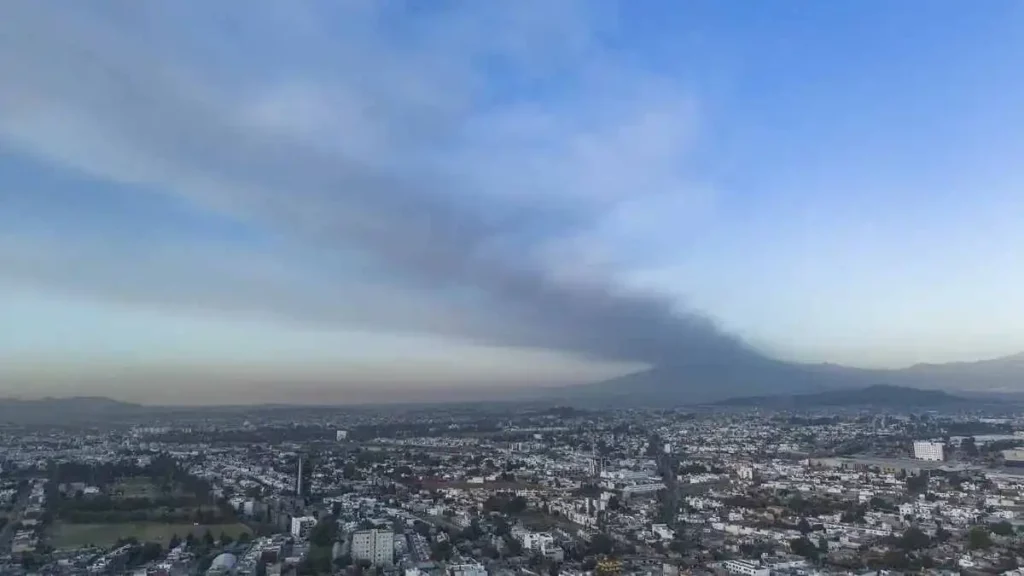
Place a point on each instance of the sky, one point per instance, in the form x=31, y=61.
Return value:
x=348, y=201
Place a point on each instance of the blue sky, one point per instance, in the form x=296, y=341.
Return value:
x=381, y=195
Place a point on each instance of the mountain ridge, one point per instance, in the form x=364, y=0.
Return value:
x=67, y=410
x=710, y=381
x=688, y=382
x=880, y=395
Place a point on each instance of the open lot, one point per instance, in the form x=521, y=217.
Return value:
x=135, y=488
x=66, y=535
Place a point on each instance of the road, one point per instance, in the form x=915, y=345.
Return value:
x=7, y=532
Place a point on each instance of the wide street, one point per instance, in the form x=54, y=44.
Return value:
x=7, y=532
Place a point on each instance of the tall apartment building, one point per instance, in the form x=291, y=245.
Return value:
x=302, y=526
x=304, y=476
x=934, y=451
x=376, y=546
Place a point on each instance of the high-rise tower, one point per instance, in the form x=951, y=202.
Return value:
x=304, y=476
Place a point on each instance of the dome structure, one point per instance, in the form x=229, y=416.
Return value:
x=223, y=564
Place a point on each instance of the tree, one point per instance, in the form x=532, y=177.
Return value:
x=208, y=538
x=244, y=538
x=421, y=528
x=350, y=472
x=979, y=538
x=473, y=531
x=492, y=504
x=190, y=539
x=804, y=547
x=667, y=507
x=226, y=539
x=515, y=547
x=880, y=504
x=305, y=568
x=1007, y=564
x=441, y=552
x=600, y=544
x=516, y=505
x=914, y=539
x=654, y=445
x=30, y=561
x=204, y=563
x=854, y=514
x=969, y=447
x=175, y=541
x=804, y=526
x=1003, y=528
x=613, y=503
x=896, y=560
x=501, y=527
x=320, y=556
x=325, y=532
x=822, y=545
x=150, y=551
x=917, y=484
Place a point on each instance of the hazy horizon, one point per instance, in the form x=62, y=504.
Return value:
x=326, y=201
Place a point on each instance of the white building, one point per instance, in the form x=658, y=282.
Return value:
x=342, y=435
x=302, y=525
x=663, y=532
x=222, y=565
x=376, y=546
x=933, y=451
x=648, y=488
x=745, y=568
x=1014, y=457
x=536, y=541
x=473, y=569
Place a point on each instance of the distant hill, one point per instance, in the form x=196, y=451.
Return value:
x=708, y=381
x=700, y=381
x=64, y=410
x=996, y=375
x=688, y=381
x=877, y=396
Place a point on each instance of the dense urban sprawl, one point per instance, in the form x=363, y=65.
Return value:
x=472, y=491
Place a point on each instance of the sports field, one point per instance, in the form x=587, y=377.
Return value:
x=65, y=535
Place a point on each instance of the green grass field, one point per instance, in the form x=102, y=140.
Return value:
x=77, y=535
x=135, y=488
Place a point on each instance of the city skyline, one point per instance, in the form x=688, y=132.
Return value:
x=378, y=199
